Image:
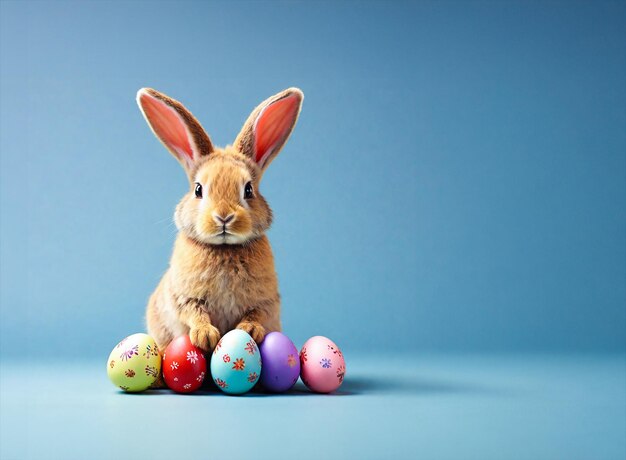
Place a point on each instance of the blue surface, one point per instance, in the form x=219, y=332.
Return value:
x=457, y=180
x=391, y=406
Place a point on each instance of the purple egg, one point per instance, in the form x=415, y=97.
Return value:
x=281, y=363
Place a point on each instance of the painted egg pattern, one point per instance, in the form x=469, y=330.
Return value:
x=184, y=365
x=135, y=363
x=281, y=366
x=323, y=367
x=236, y=362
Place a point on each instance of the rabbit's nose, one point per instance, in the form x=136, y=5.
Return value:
x=223, y=220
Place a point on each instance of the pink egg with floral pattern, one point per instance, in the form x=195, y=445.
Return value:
x=322, y=367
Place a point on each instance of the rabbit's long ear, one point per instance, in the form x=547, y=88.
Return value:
x=267, y=129
x=175, y=127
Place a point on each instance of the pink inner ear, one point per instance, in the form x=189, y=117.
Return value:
x=167, y=125
x=273, y=126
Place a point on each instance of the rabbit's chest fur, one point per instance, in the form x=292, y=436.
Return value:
x=225, y=281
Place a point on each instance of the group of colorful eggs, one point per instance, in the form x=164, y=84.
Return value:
x=237, y=364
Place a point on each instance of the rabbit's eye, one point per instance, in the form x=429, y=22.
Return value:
x=247, y=191
x=198, y=190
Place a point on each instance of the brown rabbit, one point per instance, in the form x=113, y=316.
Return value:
x=221, y=273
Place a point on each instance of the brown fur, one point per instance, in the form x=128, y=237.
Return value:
x=217, y=281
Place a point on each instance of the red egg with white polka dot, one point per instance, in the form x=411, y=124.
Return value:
x=184, y=365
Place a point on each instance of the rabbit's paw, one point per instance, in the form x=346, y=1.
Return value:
x=204, y=337
x=254, y=329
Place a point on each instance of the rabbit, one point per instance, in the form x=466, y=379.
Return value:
x=221, y=274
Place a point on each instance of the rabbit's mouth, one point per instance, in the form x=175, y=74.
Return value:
x=224, y=237
x=235, y=231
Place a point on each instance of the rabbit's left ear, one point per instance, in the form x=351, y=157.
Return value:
x=267, y=129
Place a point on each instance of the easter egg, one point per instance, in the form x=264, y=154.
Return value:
x=236, y=362
x=322, y=365
x=281, y=366
x=184, y=365
x=135, y=363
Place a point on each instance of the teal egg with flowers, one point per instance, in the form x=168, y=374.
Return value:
x=236, y=363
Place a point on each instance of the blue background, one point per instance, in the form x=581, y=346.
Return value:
x=457, y=179
x=451, y=210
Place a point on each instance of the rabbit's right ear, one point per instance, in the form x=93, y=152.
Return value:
x=175, y=127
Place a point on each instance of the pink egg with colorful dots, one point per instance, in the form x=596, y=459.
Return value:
x=322, y=367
